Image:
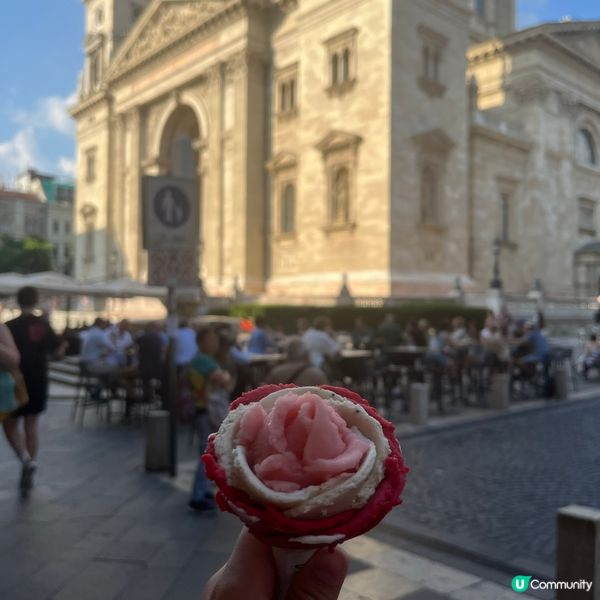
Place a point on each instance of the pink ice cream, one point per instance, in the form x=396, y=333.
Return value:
x=301, y=442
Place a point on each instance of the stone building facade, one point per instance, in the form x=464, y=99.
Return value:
x=386, y=143
x=59, y=198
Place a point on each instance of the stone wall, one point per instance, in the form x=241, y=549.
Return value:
x=429, y=127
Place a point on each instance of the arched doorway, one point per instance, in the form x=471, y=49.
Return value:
x=179, y=155
x=179, y=143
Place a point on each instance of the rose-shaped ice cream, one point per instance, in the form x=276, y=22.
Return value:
x=305, y=467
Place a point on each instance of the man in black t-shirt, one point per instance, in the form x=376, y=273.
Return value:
x=35, y=340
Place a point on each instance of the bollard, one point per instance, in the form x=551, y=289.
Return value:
x=500, y=391
x=419, y=403
x=157, y=441
x=561, y=383
x=578, y=549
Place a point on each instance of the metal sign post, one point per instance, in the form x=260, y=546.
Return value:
x=170, y=208
x=172, y=378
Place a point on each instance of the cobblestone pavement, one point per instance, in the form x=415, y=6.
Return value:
x=498, y=484
x=96, y=527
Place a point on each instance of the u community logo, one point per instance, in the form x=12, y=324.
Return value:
x=520, y=583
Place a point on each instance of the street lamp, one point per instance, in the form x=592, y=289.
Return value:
x=496, y=282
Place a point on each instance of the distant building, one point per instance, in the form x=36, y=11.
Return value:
x=391, y=140
x=59, y=198
x=22, y=215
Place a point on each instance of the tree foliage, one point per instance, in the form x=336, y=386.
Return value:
x=30, y=255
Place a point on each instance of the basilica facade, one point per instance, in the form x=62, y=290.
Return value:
x=393, y=145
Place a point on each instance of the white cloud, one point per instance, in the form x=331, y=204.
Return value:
x=50, y=113
x=18, y=153
x=67, y=166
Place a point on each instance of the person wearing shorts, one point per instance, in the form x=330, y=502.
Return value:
x=36, y=341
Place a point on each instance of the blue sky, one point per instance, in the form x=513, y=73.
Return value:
x=41, y=56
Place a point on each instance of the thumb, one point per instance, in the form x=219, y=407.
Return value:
x=321, y=578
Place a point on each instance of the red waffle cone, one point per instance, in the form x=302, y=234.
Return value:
x=273, y=527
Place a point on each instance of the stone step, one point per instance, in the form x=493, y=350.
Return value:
x=63, y=378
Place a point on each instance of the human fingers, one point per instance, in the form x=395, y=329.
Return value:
x=250, y=567
x=321, y=578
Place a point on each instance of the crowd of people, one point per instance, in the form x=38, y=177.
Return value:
x=215, y=363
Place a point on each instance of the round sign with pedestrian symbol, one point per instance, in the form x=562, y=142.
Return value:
x=172, y=207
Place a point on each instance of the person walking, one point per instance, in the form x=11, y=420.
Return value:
x=36, y=341
x=9, y=361
x=203, y=377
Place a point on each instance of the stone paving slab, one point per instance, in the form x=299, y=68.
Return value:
x=495, y=487
x=97, y=527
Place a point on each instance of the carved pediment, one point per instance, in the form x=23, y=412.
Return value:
x=434, y=140
x=336, y=140
x=165, y=22
x=282, y=160
x=88, y=211
x=585, y=42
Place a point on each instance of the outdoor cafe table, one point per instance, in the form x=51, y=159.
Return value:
x=356, y=370
x=266, y=359
x=261, y=364
x=405, y=365
x=405, y=356
x=351, y=354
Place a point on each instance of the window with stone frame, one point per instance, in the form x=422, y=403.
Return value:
x=429, y=196
x=585, y=148
x=587, y=273
x=340, y=158
x=505, y=210
x=587, y=217
x=88, y=214
x=286, y=100
x=432, y=151
x=342, y=61
x=283, y=172
x=430, y=77
x=287, y=208
x=90, y=165
x=339, y=196
x=99, y=15
x=96, y=69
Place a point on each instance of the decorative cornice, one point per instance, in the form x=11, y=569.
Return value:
x=529, y=37
x=88, y=211
x=282, y=160
x=90, y=102
x=498, y=136
x=434, y=140
x=336, y=140
x=170, y=26
x=434, y=37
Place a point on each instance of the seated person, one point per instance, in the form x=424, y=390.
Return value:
x=389, y=333
x=98, y=354
x=297, y=368
x=319, y=341
x=539, y=347
x=590, y=359
x=260, y=342
x=496, y=350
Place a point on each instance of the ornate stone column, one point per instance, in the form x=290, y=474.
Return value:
x=132, y=199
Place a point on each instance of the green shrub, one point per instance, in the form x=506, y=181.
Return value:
x=285, y=317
